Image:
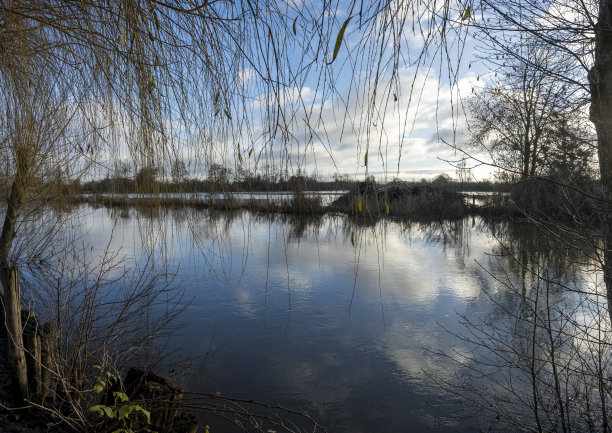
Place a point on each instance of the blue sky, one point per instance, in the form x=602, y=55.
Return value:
x=403, y=129
x=333, y=112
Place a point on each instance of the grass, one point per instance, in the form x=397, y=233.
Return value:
x=304, y=204
x=366, y=201
x=401, y=202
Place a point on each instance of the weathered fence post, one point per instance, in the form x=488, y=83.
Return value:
x=32, y=344
x=17, y=359
x=47, y=361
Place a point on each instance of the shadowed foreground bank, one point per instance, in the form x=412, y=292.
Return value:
x=29, y=420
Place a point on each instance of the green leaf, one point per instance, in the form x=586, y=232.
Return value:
x=124, y=411
x=102, y=410
x=386, y=209
x=467, y=14
x=121, y=396
x=359, y=204
x=99, y=367
x=98, y=409
x=250, y=151
x=98, y=388
x=227, y=114
x=353, y=238
x=339, y=39
x=83, y=4
x=365, y=159
x=146, y=414
x=109, y=411
x=294, y=26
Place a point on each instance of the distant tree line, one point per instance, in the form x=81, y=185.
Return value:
x=224, y=179
x=218, y=179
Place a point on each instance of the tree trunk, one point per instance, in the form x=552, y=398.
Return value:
x=526, y=155
x=17, y=358
x=8, y=228
x=600, y=80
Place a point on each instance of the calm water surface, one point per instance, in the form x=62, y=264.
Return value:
x=291, y=312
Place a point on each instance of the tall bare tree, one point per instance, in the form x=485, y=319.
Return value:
x=518, y=117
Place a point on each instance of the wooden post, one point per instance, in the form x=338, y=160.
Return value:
x=32, y=343
x=17, y=359
x=46, y=358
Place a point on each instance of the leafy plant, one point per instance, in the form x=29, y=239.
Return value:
x=122, y=409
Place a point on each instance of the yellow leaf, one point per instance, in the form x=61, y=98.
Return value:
x=359, y=204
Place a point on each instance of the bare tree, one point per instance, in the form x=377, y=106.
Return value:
x=518, y=118
x=178, y=171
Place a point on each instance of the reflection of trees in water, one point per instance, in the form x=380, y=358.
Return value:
x=541, y=355
x=527, y=250
x=521, y=250
x=444, y=232
x=541, y=358
x=300, y=226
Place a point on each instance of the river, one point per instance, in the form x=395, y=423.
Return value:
x=354, y=324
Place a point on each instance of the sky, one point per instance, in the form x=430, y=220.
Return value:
x=408, y=129
x=335, y=120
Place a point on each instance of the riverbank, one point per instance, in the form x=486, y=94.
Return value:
x=369, y=202
x=311, y=205
x=364, y=203
x=31, y=420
